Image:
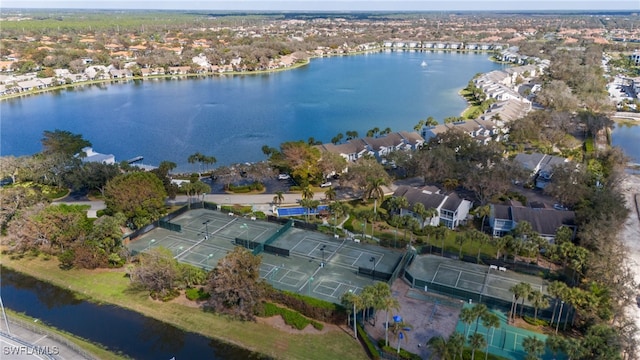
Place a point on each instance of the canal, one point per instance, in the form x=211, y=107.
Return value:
x=120, y=330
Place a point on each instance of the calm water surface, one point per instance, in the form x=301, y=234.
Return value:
x=232, y=117
x=118, y=329
x=627, y=137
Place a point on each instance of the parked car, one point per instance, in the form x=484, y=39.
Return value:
x=325, y=184
x=284, y=177
x=559, y=207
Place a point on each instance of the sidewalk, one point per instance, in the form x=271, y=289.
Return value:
x=31, y=342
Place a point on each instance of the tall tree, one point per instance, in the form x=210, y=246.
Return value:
x=373, y=190
x=157, y=272
x=63, y=142
x=538, y=300
x=235, y=285
x=467, y=316
x=278, y=198
x=476, y=341
x=533, y=346
x=139, y=196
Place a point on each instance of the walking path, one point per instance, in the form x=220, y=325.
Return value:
x=25, y=341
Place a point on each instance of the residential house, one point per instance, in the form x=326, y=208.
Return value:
x=120, y=74
x=412, y=139
x=384, y=145
x=544, y=221
x=451, y=210
x=352, y=150
x=540, y=165
x=92, y=156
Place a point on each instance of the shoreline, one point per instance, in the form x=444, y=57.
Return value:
x=296, y=65
x=630, y=238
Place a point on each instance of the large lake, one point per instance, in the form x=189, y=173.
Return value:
x=232, y=117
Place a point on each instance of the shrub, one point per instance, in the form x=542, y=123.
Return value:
x=309, y=307
x=371, y=349
x=290, y=317
x=198, y=294
x=536, y=322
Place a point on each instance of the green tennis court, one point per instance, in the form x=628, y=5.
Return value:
x=505, y=340
x=304, y=262
x=467, y=281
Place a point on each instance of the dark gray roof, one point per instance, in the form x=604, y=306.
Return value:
x=452, y=203
x=543, y=221
x=429, y=199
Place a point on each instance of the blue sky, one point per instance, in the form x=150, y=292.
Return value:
x=336, y=5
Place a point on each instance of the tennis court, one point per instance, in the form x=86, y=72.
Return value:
x=467, y=281
x=505, y=340
x=293, y=259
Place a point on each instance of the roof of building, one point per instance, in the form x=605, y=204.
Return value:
x=544, y=221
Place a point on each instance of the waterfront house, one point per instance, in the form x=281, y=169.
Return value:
x=92, y=156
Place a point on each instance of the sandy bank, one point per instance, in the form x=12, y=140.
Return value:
x=630, y=236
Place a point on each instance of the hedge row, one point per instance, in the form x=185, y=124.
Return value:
x=404, y=354
x=254, y=186
x=290, y=317
x=374, y=354
x=310, y=307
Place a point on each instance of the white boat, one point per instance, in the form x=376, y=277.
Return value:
x=424, y=63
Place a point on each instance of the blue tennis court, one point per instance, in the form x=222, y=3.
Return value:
x=300, y=211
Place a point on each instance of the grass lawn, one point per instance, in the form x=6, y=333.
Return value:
x=112, y=286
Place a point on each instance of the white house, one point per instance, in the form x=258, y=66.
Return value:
x=450, y=209
x=92, y=156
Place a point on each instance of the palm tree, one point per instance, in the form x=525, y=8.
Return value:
x=556, y=289
x=515, y=290
x=419, y=125
x=384, y=300
x=367, y=300
x=307, y=193
x=374, y=190
x=398, y=328
x=467, y=316
x=440, y=232
x=476, y=341
x=338, y=209
x=479, y=311
x=350, y=300
x=456, y=344
x=330, y=194
x=439, y=348
x=420, y=210
x=431, y=121
x=538, y=300
x=525, y=290
x=395, y=221
x=490, y=321
x=278, y=198
x=481, y=238
x=555, y=343
x=306, y=204
x=483, y=211
x=500, y=243
x=460, y=240
x=194, y=158
x=401, y=203
x=534, y=347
